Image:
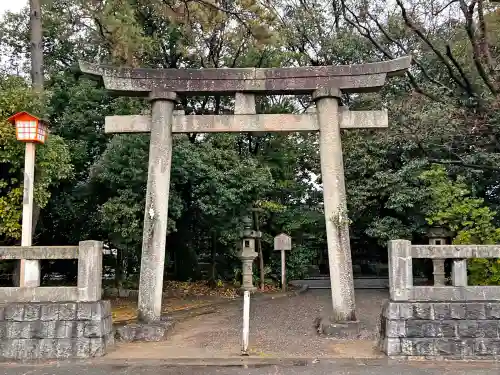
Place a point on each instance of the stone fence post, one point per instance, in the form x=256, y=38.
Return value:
x=459, y=272
x=90, y=271
x=400, y=270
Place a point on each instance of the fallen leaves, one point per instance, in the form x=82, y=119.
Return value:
x=199, y=288
x=180, y=296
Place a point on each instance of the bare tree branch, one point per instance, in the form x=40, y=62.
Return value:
x=468, y=11
x=468, y=84
x=366, y=32
x=415, y=61
x=443, y=8
x=484, y=41
x=434, y=49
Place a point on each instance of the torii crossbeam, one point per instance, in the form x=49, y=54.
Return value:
x=326, y=85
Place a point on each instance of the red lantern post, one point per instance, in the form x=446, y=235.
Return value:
x=31, y=130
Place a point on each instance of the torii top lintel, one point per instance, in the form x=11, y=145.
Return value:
x=296, y=80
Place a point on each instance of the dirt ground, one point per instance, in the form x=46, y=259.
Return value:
x=282, y=327
x=180, y=296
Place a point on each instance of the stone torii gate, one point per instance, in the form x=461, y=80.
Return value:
x=325, y=83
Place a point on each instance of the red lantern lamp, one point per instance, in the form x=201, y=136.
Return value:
x=29, y=128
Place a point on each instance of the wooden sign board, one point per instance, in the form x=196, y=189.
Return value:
x=282, y=242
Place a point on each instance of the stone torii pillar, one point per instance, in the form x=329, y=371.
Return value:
x=335, y=204
x=154, y=234
x=325, y=83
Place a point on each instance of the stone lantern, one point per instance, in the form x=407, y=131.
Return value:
x=248, y=254
x=438, y=236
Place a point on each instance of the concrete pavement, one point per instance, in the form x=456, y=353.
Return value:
x=306, y=367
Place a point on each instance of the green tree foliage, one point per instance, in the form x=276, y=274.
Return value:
x=53, y=162
x=445, y=111
x=451, y=206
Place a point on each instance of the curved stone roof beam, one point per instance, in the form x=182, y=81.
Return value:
x=296, y=80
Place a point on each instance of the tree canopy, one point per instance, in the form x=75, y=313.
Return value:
x=443, y=112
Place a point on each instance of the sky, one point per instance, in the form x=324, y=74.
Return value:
x=12, y=5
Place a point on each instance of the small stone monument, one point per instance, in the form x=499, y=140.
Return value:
x=283, y=242
x=248, y=254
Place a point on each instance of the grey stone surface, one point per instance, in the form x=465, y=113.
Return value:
x=339, y=330
x=400, y=269
x=55, y=330
x=335, y=206
x=437, y=237
x=459, y=272
x=440, y=329
x=244, y=103
x=38, y=294
x=438, y=272
x=247, y=255
x=38, y=252
x=441, y=310
x=156, y=210
x=89, y=254
x=323, y=282
x=455, y=251
x=90, y=271
x=449, y=293
x=352, y=78
x=247, y=123
x=144, y=331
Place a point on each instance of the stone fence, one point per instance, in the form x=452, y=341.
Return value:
x=56, y=322
x=89, y=287
x=457, y=321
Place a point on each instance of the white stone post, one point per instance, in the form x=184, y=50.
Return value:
x=156, y=211
x=90, y=271
x=400, y=270
x=459, y=272
x=246, y=323
x=335, y=205
x=29, y=270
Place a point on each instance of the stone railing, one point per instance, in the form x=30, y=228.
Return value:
x=56, y=322
x=457, y=321
x=401, y=254
x=89, y=286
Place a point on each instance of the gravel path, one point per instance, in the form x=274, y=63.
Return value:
x=281, y=327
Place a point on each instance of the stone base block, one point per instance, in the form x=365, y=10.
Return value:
x=341, y=330
x=465, y=330
x=144, y=331
x=30, y=331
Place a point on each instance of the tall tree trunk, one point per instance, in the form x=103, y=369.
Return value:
x=36, y=46
x=259, y=250
x=37, y=86
x=36, y=69
x=213, y=269
x=119, y=269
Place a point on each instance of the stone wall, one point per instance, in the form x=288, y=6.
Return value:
x=457, y=330
x=55, y=330
x=458, y=321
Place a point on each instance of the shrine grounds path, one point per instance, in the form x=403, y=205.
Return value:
x=279, y=328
